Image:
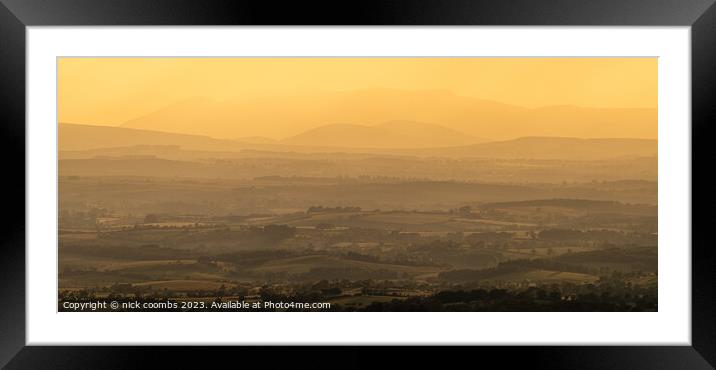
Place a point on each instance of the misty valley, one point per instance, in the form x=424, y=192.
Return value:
x=530, y=224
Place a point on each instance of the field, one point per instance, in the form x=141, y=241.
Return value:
x=356, y=258
x=361, y=230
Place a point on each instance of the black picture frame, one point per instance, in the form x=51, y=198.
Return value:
x=16, y=15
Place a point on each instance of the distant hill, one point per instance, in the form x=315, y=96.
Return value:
x=350, y=138
x=344, y=135
x=552, y=148
x=87, y=137
x=431, y=134
x=257, y=140
x=394, y=134
x=339, y=138
x=293, y=115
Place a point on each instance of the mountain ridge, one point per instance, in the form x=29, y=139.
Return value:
x=292, y=115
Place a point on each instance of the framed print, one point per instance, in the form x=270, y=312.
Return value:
x=462, y=173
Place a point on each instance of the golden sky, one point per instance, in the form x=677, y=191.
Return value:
x=111, y=91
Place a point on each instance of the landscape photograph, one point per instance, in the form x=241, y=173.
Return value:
x=364, y=184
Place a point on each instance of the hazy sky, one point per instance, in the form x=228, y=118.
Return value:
x=110, y=91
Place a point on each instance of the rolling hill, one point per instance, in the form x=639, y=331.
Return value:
x=87, y=137
x=552, y=148
x=432, y=134
x=394, y=134
x=77, y=138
